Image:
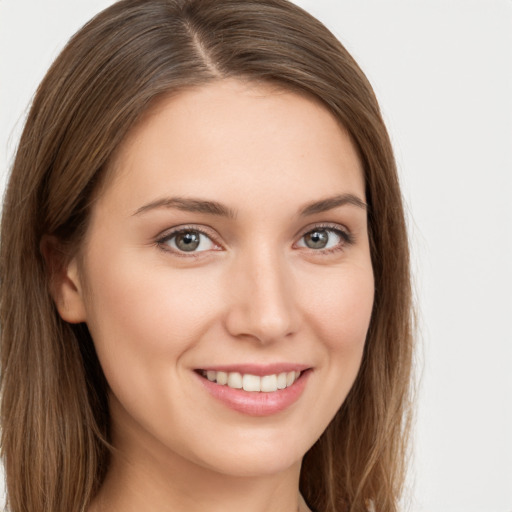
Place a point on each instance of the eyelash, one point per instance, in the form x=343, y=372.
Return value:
x=346, y=237
x=162, y=242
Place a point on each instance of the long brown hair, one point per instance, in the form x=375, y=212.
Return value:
x=54, y=412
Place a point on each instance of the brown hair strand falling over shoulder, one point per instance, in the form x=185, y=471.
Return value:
x=54, y=412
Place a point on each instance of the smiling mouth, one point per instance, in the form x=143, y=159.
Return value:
x=255, y=383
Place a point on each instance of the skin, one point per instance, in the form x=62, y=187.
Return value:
x=253, y=292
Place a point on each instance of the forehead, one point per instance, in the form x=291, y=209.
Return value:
x=241, y=136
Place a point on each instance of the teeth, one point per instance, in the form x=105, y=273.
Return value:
x=281, y=381
x=269, y=383
x=248, y=382
x=251, y=383
x=222, y=378
x=290, y=378
x=235, y=380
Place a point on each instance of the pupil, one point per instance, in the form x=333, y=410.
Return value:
x=187, y=241
x=317, y=239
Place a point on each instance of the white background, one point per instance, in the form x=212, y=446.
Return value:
x=442, y=70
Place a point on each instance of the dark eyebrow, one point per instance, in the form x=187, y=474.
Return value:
x=189, y=205
x=332, y=202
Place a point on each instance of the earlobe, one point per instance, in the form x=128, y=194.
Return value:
x=64, y=281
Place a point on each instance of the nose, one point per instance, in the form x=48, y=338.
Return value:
x=262, y=304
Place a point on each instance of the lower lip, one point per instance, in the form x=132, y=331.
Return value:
x=254, y=403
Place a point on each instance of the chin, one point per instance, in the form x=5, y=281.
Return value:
x=263, y=454
x=256, y=464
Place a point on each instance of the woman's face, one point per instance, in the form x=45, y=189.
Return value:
x=230, y=245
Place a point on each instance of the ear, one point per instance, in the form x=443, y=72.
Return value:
x=65, y=286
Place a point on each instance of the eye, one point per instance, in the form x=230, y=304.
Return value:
x=187, y=241
x=325, y=239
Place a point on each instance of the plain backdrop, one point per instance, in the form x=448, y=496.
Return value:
x=442, y=70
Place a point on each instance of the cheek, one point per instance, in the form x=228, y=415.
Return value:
x=145, y=319
x=144, y=325
x=335, y=307
x=339, y=317
x=340, y=307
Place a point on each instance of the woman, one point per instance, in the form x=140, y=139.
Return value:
x=203, y=227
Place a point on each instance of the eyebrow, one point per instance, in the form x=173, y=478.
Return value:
x=330, y=203
x=189, y=205
x=215, y=208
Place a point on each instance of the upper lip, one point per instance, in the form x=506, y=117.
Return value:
x=257, y=369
